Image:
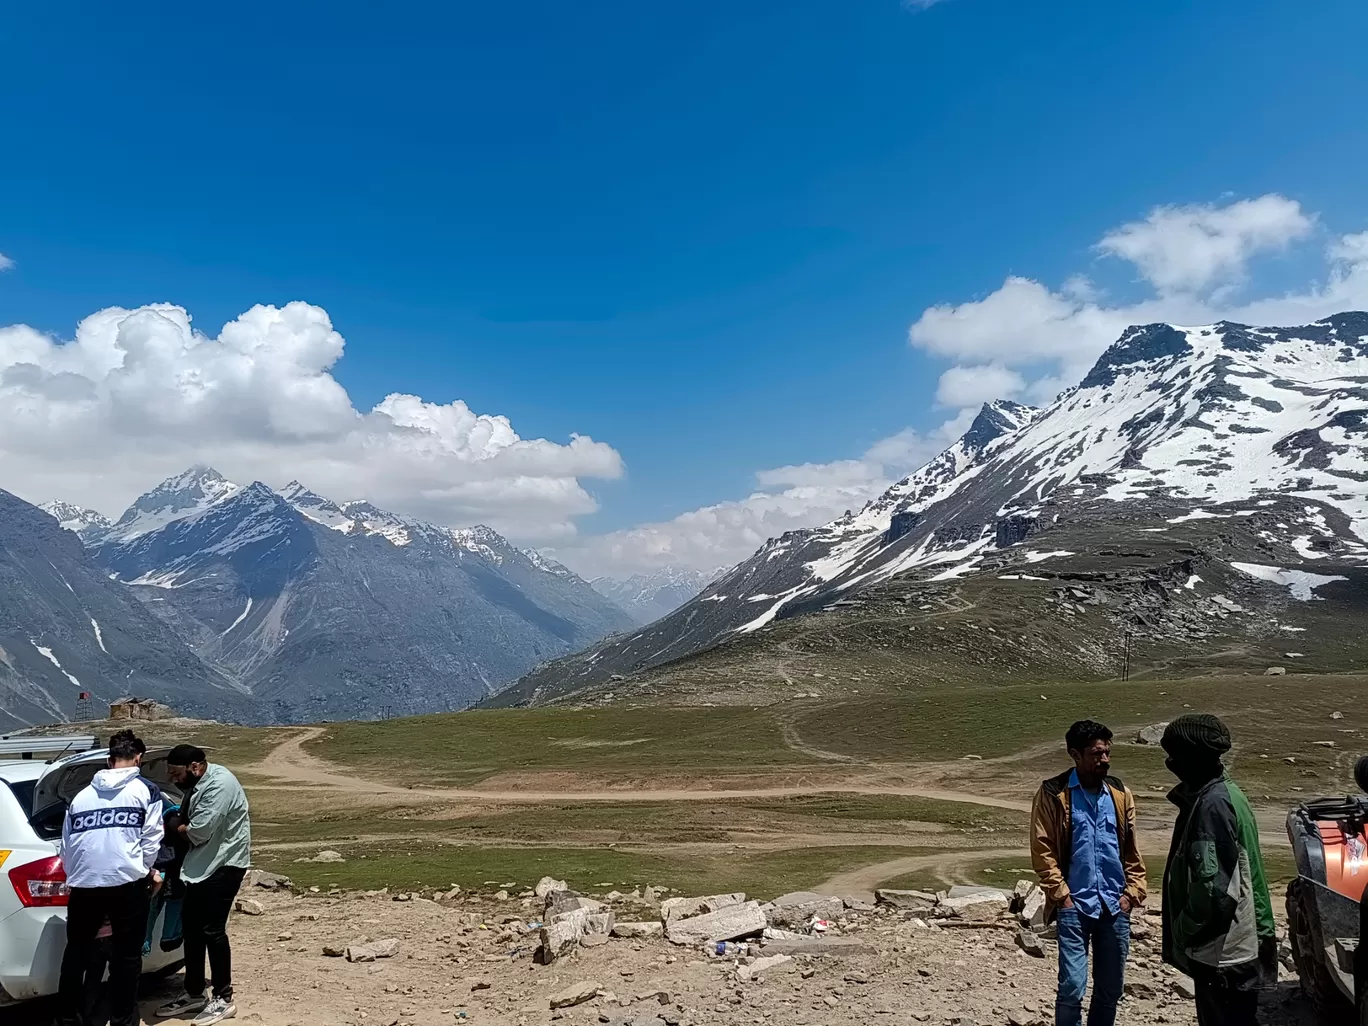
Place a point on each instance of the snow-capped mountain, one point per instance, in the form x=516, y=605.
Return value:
x=325, y=610
x=1179, y=422
x=648, y=597
x=88, y=524
x=66, y=628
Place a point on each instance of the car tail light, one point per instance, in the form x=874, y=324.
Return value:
x=41, y=884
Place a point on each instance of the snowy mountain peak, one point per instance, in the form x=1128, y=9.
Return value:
x=649, y=596
x=188, y=494
x=87, y=524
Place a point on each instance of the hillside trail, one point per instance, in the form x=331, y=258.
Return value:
x=290, y=761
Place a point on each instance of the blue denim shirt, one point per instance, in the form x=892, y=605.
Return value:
x=1096, y=877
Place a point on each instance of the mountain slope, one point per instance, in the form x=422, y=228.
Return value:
x=648, y=597
x=328, y=610
x=65, y=627
x=1170, y=422
x=87, y=524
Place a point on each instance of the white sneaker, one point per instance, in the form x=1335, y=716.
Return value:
x=215, y=1011
x=186, y=1004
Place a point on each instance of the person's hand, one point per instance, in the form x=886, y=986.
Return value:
x=157, y=879
x=1126, y=904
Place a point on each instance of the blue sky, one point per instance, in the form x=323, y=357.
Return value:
x=696, y=233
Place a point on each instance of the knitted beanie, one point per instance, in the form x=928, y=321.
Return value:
x=1200, y=734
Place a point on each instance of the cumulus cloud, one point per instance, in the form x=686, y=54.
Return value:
x=1193, y=248
x=973, y=386
x=138, y=395
x=787, y=498
x=1196, y=259
x=5, y=262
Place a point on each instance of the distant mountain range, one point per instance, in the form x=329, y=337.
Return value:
x=649, y=596
x=1172, y=425
x=285, y=606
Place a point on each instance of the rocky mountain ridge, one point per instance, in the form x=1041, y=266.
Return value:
x=1175, y=424
x=647, y=597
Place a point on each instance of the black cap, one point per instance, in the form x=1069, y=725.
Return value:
x=1197, y=733
x=184, y=755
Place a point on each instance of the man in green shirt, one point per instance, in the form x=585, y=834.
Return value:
x=217, y=826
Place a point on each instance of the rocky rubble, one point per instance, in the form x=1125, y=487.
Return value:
x=960, y=957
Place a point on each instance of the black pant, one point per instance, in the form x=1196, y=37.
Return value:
x=204, y=916
x=83, y=960
x=1228, y=997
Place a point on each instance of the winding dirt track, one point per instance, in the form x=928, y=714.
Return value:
x=290, y=761
x=861, y=882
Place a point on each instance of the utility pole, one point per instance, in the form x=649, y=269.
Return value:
x=1125, y=658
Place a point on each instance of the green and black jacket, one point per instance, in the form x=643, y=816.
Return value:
x=1216, y=904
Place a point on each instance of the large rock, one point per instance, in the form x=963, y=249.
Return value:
x=681, y=908
x=575, y=994
x=760, y=965
x=725, y=924
x=387, y=948
x=268, y=881
x=1033, y=908
x=560, y=902
x=908, y=901
x=558, y=940
x=637, y=930
x=547, y=884
x=1151, y=735
x=1029, y=942
x=981, y=907
x=799, y=907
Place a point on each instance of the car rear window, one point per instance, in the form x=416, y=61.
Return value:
x=23, y=792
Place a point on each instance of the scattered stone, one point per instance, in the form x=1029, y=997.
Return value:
x=1337, y=715
x=285, y=936
x=1184, y=988
x=1275, y=671
x=575, y=994
x=268, y=881
x=327, y=856
x=978, y=907
x=1150, y=735
x=334, y=950
x=1033, y=908
x=501, y=896
x=250, y=907
x=1029, y=942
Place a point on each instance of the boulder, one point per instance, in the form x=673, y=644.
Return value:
x=725, y=924
x=575, y=994
x=1033, y=908
x=760, y=965
x=1150, y=735
x=560, y=902
x=268, y=881
x=557, y=941
x=327, y=856
x=799, y=908
x=908, y=901
x=250, y=907
x=1275, y=671
x=637, y=930
x=978, y=907
x=681, y=908
x=547, y=884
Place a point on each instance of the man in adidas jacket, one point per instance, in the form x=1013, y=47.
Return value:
x=110, y=839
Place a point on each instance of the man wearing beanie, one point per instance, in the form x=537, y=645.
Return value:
x=217, y=826
x=1218, y=919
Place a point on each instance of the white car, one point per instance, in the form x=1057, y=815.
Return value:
x=33, y=891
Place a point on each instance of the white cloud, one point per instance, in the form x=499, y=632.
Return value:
x=1193, y=256
x=973, y=386
x=138, y=395
x=5, y=262
x=724, y=533
x=1197, y=247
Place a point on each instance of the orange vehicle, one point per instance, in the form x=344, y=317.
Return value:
x=1326, y=908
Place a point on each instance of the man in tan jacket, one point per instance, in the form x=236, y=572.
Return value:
x=1084, y=849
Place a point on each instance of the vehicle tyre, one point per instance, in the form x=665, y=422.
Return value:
x=1308, y=952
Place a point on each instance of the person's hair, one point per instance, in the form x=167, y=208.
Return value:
x=126, y=745
x=184, y=755
x=1085, y=732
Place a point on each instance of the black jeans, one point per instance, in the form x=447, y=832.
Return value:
x=1228, y=997
x=83, y=960
x=204, y=916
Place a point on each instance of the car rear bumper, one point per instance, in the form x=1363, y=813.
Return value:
x=31, y=944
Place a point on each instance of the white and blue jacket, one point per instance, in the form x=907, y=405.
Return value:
x=113, y=830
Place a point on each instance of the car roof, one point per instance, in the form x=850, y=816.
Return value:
x=18, y=770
